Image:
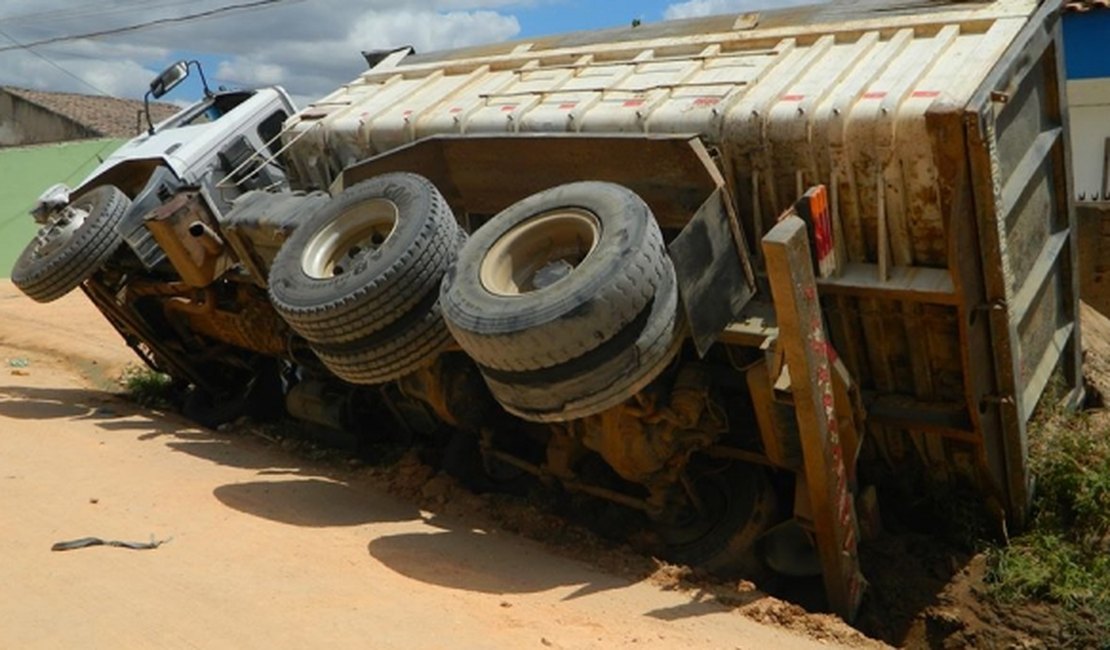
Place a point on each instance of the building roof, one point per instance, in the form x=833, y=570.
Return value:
x=1079, y=6
x=106, y=116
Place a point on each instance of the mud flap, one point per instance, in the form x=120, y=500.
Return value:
x=715, y=277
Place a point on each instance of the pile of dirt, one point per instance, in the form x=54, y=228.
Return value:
x=928, y=593
x=965, y=617
x=823, y=627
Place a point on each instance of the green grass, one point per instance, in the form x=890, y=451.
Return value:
x=27, y=171
x=1064, y=556
x=147, y=387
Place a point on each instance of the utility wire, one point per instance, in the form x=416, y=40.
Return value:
x=55, y=64
x=244, y=6
x=66, y=13
x=96, y=155
x=17, y=45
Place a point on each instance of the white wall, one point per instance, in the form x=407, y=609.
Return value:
x=23, y=123
x=1089, y=111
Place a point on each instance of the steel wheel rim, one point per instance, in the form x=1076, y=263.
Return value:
x=356, y=232
x=539, y=252
x=56, y=234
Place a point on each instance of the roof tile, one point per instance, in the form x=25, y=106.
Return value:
x=107, y=116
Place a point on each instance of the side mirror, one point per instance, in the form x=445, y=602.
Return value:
x=169, y=78
x=167, y=81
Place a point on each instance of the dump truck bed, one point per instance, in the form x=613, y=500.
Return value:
x=939, y=129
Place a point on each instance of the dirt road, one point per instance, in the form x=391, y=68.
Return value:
x=267, y=549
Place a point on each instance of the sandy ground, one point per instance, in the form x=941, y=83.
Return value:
x=267, y=549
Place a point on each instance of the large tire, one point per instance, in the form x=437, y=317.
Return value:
x=359, y=280
x=377, y=359
x=601, y=378
x=600, y=238
x=404, y=237
x=73, y=246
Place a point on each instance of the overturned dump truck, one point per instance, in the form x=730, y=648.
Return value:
x=731, y=272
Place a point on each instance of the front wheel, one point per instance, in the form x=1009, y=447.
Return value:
x=72, y=245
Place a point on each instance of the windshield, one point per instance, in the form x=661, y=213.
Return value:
x=209, y=114
x=213, y=109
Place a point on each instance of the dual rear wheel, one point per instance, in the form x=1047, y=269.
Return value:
x=566, y=300
x=359, y=279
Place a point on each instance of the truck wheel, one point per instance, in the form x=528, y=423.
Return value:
x=555, y=276
x=603, y=377
x=359, y=280
x=72, y=245
x=365, y=259
x=391, y=353
x=737, y=505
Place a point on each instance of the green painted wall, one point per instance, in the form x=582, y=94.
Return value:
x=25, y=172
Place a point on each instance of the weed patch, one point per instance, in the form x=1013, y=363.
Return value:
x=147, y=387
x=1064, y=557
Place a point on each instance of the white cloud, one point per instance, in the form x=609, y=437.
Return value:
x=310, y=47
x=260, y=73
x=314, y=68
x=695, y=8
x=120, y=77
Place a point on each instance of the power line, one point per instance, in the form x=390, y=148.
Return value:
x=76, y=12
x=55, y=64
x=11, y=219
x=17, y=45
x=244, y=6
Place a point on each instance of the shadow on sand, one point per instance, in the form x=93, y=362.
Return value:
x=313, y=502
x=30, y=403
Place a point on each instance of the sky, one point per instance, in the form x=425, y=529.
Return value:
x=308, y=46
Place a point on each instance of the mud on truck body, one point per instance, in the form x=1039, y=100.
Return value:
x=756, y=264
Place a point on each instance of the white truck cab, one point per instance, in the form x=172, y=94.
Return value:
x=191, y=142
x=226, y=143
